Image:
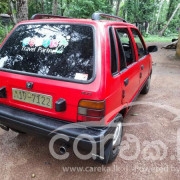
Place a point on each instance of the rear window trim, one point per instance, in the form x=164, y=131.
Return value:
x=110, y=30
x=54, y=77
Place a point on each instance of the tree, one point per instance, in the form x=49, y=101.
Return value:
x=14, y=19
x=55, y=7
x=139, y=10
x=176, y=19
x=85, y=8
x=3, y=6
x=159, y=11
x=170, y=19
x=178, y=47
x=22, y=10
x=117, y=7
x=172, y=5
x=42, y=6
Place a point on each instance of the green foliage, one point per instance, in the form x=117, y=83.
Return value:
x=172, y=5
x=36, y=6
x=139, y=10
x=175, y=23
x=85, y=8
x=167, y=32
x=163, y=14
x=3, y=32
x=72, y=8
x=4, y=6
x=144, y=34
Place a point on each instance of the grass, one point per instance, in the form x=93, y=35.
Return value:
x=156, y=38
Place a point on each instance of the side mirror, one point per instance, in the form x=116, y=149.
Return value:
x=151, y=49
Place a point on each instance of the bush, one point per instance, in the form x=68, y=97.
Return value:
x=144, y=34
x=3, y=32
x=167, y=32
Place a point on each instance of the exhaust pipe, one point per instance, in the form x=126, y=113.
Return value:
x=4, y=127
x=63, y=149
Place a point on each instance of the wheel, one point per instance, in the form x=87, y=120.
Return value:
x=113, y=146
x=146, y=88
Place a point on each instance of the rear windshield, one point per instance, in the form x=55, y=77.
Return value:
x=59, y=50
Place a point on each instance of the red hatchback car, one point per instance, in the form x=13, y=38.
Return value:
x=83, y=72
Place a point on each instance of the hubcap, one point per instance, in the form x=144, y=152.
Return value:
x=117, y=133
x=148, y=84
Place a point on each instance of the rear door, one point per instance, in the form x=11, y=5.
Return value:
x=142, y=55
x=129, y=68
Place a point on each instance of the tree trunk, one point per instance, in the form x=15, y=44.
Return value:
x=22, y=10
x=54, y=7
x=68, y=4
x=62, y=10
x=36, y=5
x=178, y=47
x=117, y=7
x=170, y=8
x=42, y=6
x=12, y=12
x=154, y=12
x=162, y=32
x=160, y=6
x=147, y=27
x=111, y=2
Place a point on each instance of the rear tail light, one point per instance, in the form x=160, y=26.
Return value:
x=91, y=110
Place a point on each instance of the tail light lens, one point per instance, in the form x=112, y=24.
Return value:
x=91, y=110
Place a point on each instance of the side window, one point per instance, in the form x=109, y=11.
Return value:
x=122, y=58
x=139, y=43
x=114, y=61
x=125, y=47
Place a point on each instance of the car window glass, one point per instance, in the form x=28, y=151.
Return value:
x=139, y=44
x=126, y=43
x=121, y=54
x=59, y=50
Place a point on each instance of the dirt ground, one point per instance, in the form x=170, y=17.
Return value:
x=152, y=123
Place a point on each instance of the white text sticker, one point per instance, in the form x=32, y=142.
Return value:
x=80, y=76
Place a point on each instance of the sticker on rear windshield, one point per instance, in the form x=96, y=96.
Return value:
x=26, y=41
x=45, y=45
x=81, y=76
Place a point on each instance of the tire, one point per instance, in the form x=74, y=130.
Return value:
x=112, y=148
x=146, y=88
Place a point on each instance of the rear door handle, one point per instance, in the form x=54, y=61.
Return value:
x=126, y=81
x=142, y=67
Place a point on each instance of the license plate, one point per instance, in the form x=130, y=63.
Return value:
x=32, y=98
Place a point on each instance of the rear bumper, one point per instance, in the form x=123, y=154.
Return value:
x=33, y=123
